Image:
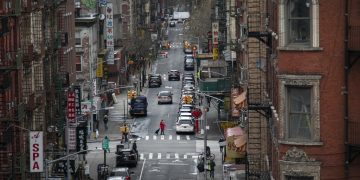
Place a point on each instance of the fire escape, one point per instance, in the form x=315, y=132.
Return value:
x=258, y=110
x=352, y=129
x=11, y=107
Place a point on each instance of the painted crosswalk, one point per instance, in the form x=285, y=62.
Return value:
x=167, y=156
x=166, y=137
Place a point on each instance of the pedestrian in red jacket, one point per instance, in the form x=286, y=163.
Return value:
x=162, y=127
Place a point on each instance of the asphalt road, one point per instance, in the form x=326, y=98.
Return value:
x=171, y=156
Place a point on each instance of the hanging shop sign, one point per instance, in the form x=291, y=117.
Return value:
x=215, y=33
x=110, y=33
x=72, y=138
x=36, y=151
x=81, y=139
x=71, y=114
x=77, y=91
x=99, y=68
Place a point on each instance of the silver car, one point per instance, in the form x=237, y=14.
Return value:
x=165, y=97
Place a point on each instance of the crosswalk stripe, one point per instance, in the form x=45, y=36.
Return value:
x=147, y=137
x=176, y=156
x=170, y=137
x=141, y=156
x=187, y=137
x=159, y=155
x=150, y=155
x=185, y=156
x=178, y=137
x=167, y=156
x=154, y=137
x=162, y=137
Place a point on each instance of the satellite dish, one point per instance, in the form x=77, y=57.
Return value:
x=101, y=16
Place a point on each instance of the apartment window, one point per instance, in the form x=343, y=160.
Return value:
x=78, y=64
x=299, y=25
x=298, y=21
x=299, y=113
x=77, y=41
x=299, y=109
x=299, y=178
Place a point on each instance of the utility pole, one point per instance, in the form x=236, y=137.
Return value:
x=205, y=141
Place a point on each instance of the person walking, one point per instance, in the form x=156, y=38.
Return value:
x=162, y=127
x=105, y=122
x=125, y=131
x=212, y=168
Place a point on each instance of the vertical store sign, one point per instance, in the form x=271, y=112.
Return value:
x=77, y=100
x=72, y=138
x=99, y=69
x=110, y=33
x=81, y=142
x=36, y=151
x=71, y=107
x=215, y=40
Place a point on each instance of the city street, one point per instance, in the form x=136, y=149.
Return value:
x=169, y=156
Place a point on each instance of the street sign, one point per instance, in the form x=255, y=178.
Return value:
x=105, y=143
x=36, y=151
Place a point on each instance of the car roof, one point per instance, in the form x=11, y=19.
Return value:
x=185, y=118
x=122, y=169
x=174, y=70
x=185, y=114
x=116, y=178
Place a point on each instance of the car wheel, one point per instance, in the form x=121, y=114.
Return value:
x=170, y=102
x=158, y=102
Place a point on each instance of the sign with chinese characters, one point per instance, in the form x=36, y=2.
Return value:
x=99, y=68
x=215, y=33
x=215, y=53
x=71, y=117
x=72, y=138
x=110, y=33
x=86, y=107
x=36, y=151
x=77, y=91
x=81, y=141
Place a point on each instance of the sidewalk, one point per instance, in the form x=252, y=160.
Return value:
x=117, y=115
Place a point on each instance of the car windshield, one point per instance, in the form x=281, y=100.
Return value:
x=164, y=93
x=119, y=173
x=185, y=122
x=189, y=60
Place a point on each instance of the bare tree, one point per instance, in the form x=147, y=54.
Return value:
x=200, y=19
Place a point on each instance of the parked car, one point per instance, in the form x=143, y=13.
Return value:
x=188, y=56
x=174, y=75
x=185, y=110
x=138, y=106
x=189, y=64
x=155, y=81
x=188, y=51
x=120, y=174
x=185, y=124
x=165, y=97
x=187, y=106
x=188, y=87
x=127, y=157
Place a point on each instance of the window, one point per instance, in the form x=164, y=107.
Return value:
x=299, y=109
x=299, y=113
x=299, y=25
x=77, y=41
x=298, y=16
x=78, y=64
x=299, y=178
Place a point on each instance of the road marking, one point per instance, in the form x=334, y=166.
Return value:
x=141, y=156
x=147, y=137
x=185, y=156
x=159, y=155
x=176, y=156
x=170, y=137
x=187, y=137
x=154, y=137
x=176, y=164
x=162, y=137
x=142, y=169
x=178, y=137
x=168, y=156
x=150, y=155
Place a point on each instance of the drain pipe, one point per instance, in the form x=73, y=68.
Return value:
x=345, y=90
